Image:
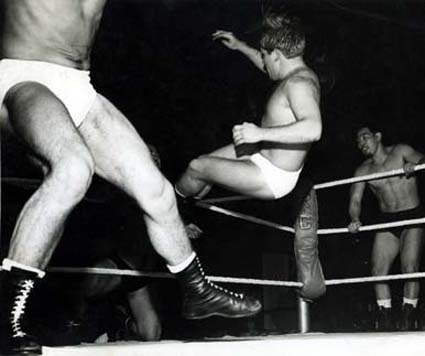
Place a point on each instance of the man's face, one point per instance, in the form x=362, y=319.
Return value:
x=269, y=63
x=366, y=141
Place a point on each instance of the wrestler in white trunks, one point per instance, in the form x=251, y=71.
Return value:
x=279, y=181
x=71, y=86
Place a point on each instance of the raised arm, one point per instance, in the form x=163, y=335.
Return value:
x=232, y=42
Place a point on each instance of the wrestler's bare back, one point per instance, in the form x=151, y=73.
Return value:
x=55, y=31
x=279, y=113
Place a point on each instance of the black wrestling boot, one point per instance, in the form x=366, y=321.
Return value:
x=384, y=320
x=408, y=318
x=202, y=298
x=16, y=287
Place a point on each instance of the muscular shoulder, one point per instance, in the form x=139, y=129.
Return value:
x=400, y=150
x=304, y=81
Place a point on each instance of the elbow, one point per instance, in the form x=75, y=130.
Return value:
x=316, y=133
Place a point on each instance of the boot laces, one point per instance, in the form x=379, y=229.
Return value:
x=19, y=306
x=215, y=286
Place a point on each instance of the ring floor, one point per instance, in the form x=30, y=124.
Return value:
x=337, y=344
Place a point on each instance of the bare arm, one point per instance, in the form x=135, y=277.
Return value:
x=355, y=205
x=232, y=42
x=356, y=195
x=411, y=157
x=304, y=102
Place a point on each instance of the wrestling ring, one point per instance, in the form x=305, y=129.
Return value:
x=303, y=343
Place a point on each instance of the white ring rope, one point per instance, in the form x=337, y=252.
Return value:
x=226, y=199
x=236, y=280
x=367, y=177
x=245, y=217
x=373, y=176
x=205, y=204
x=374, y=226
x=342, y=230
x=22, y=182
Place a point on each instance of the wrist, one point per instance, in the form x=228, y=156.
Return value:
x=243, y=47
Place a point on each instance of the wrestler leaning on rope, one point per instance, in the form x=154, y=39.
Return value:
x=398, y=200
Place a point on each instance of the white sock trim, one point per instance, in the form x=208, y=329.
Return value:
x=410, y=301
x=8, y=264
x=384, y=303
x=182, y=265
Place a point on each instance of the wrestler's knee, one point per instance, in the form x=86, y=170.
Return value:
x=72, y=175
x=379, y=269
x=151, y=332
x=25, y=93
x=410, y=266
x=160, y=201
x=197, y=165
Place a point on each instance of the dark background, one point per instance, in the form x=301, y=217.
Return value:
x=184, y=92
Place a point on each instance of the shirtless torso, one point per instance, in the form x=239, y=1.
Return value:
x=395, y=193
x=278, y=112
x=55, y=31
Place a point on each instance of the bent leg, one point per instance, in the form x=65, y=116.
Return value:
x=410, y=256
x=122, y=158
x=42, y=124
x=385, y=249
x=223, y=168
x=192, y=184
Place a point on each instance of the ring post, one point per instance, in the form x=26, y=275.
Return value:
x=303, y=316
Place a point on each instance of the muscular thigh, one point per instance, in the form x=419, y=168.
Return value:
x=225, y=152
x=412, y=244
x=39, y=120
x=385, y=248
x=119, y=153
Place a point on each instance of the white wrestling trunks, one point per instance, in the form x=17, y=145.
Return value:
x=279, y=181
x=71, y=86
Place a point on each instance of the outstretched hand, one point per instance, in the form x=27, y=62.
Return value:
x=227, y=38
x=246, y=133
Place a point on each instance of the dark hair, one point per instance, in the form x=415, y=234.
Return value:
x=370, y=125
x=284, y=33
x=274, y=20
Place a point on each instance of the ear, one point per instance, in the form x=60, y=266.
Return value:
x=378, y=136
x=276, y=55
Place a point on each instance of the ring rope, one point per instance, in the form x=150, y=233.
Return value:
x=33, y=183
x=366, y=177
x=22, y=182
x=236, y=280
x=329, y=231
x=329, y=184
x=245, y=217
x=226, y=199
x=374, y=226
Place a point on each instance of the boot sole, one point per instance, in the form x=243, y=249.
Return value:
x=224, y=315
